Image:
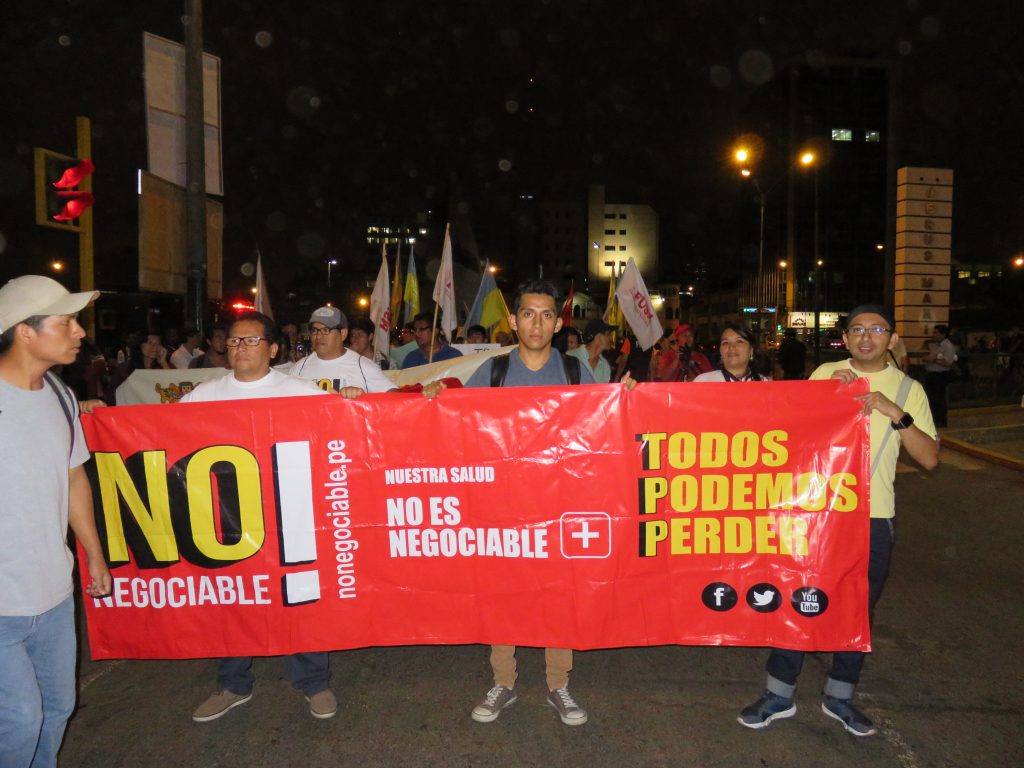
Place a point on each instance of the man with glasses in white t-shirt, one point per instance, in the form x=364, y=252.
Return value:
x=252, y=345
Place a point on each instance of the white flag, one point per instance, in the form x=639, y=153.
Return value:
x=380, y=312
x=262, y=302
x=636, y=307
x=444, y=288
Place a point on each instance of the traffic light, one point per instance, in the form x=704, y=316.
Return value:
x=59, y=203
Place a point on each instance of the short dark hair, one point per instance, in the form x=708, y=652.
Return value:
x=544, y=287
x=35, y=322
x=423, y=317
x=363, y=324
x=942, y=328
x=216, y=327
x=476, y=329
x=269, y=332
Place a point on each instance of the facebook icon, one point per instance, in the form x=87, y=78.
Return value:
x=719, y=596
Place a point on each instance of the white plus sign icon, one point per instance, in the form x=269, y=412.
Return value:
x=585, y=535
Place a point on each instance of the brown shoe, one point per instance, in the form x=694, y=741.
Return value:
x=218, y=705
x=323, y=705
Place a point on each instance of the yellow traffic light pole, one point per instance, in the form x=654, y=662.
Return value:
x=86, y=265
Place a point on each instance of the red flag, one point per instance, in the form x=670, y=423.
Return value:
x=567, y=307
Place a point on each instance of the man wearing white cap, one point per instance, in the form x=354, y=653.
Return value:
x=42, y=450
x=334, y=368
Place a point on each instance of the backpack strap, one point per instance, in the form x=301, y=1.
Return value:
x=66, y=400
x=572, y=368
x=499, y=369
x=901, y=398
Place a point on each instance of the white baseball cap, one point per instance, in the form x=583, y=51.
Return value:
x=31, y=295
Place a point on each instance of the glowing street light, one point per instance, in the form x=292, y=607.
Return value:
x=57, y=265
x=1018, y=262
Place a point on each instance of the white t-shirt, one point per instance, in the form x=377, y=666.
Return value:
x=348, y=370
x=35, y=457
x=182, y=357
x=887, y=381
x=274, y=384
x=718, y=375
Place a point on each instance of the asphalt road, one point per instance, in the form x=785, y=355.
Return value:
x=944, y=683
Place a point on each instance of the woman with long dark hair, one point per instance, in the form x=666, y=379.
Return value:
x=738, y=349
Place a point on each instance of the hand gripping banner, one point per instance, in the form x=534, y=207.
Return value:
x=579, y=517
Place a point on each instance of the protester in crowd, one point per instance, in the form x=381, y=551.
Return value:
x=938, y=364
x=216, y=354
x=188, y=351
x=171, y=340
x=360, y=337
x=252, y=345
x=151, y=354
x=898, y=408
x=334, y=368
x=573, y=339
x=597, y=340
x=430, y=346
x=45, y=490
x=406, y=344
x=792, y=356
x=737, y=346
x=292, y=345
x=476, y=334
x=682, y=362
x=534, y=362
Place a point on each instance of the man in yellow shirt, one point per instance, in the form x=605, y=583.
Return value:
x=900, y=416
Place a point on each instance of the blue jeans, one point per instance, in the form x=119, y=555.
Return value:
x=784, y=665
x=307, y=671
x=37, y=685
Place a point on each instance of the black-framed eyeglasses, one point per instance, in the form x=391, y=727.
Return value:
x=874, y=330
x=249, y=341
x=321, y=331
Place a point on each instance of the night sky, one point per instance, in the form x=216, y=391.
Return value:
x=339, y=114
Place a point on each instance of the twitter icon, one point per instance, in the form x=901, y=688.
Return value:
x=764, y=598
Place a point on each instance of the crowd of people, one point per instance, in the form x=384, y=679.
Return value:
x=39, y=420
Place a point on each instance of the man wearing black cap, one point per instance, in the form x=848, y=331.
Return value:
x=596, y=340
x=900, y=416
x=45, y=490
x=334, y=368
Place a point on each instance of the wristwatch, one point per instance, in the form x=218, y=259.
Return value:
x=903, y=423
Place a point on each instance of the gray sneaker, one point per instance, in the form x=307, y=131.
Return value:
x=769, y=707
x=853, y=720
x=570, y=712
x=218, y=705
x=323, y=705
x=497, y=699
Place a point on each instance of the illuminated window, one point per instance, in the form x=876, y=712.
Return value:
x=963, y=274
x=984, y=273
x=872, y=135
x=842, y=134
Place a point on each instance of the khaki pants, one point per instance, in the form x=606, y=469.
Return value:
x=557, y=660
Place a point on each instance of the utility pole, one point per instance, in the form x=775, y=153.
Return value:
x=195, y=168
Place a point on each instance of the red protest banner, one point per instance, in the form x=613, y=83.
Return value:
x=581, y=517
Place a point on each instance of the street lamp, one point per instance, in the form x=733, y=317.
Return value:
x=810, y=160
x=330, y=263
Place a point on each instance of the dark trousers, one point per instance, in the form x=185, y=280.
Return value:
x=307, y=671
x=935, y=384
x=785, y=665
